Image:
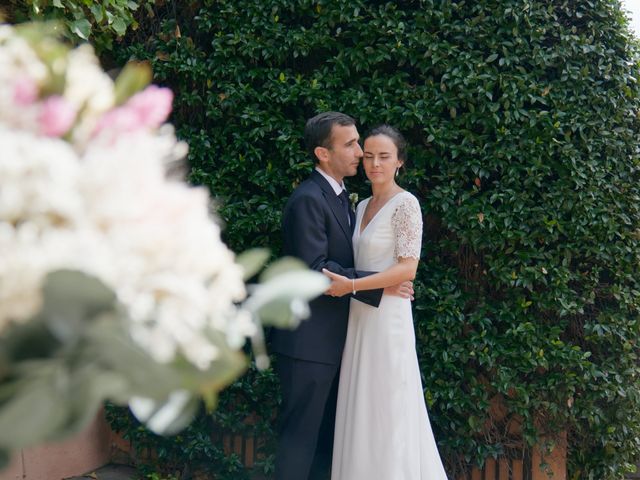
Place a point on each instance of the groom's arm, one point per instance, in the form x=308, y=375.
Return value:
x=305, y=237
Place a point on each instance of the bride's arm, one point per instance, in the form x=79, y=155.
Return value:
x=407, y=226
x=306, y=237
x=404, y=270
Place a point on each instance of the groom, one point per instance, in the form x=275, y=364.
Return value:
x=317, y=227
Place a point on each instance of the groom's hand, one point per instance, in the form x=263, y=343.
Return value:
x=403, y=290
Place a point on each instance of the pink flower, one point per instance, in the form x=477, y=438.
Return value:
x=145, y=110
x=152, y=105
x=25, y=91
x=119, y=120
x=56, y=117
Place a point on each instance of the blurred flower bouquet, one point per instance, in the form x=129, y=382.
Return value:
x=114, y=283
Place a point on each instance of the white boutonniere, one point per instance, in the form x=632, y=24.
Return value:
x=353, y=199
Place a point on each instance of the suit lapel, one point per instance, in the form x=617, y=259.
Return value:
x=334, y=204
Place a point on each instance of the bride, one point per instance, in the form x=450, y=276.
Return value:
x=382, y=428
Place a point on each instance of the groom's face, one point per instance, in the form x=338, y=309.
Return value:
x=343, y=156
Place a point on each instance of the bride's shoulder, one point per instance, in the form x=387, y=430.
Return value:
x=407, y=204
x=405, y=197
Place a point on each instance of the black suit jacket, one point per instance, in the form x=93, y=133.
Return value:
x=316, y=231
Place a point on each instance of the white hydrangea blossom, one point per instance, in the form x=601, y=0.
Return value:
x=19, y=67
x=103, y=205
x=86, y=84
x=89, y=89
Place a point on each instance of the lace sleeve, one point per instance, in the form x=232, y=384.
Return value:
x=407, y=224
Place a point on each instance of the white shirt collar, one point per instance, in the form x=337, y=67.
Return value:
x=332, y=181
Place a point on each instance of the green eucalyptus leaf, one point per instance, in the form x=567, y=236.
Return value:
x=71, y=299
x=89, y=387
x=223, y=370
x=282, y=265
x=298, y=284
x=111, y=346
x=116, y=352
x=167, y=417
x=284, y=313
x=282, y=300
x=33, y=414
x=252, y=261
x=32, y=339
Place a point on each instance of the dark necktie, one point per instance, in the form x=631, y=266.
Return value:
x=344, y=201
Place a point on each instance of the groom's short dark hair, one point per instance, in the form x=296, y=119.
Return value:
x=317, y=131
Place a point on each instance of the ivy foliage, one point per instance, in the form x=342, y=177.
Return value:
x=522, y=116
x=99, y=22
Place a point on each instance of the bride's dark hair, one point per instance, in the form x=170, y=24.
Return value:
x=396, y=137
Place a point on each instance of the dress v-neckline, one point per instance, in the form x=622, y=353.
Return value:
x=361, y=230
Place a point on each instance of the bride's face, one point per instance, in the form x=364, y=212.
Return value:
x=380, y=159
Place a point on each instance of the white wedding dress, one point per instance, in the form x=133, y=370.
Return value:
x=382, y=427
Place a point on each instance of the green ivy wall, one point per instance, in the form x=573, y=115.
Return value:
x=523, y=122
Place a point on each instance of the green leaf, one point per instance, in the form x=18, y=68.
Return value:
x=97, y=12
x=167, y=417
x=33, y=414
x=81, y=27
x=282, y=313
x=72, y=298
x=110, y=345
x=281, y=300
x=134, y=77
x=119, y=26
x=252, y=261
x=283, y=265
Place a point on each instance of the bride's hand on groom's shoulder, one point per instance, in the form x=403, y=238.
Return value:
x=340, y=285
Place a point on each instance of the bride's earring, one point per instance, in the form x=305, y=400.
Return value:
x=397, y=170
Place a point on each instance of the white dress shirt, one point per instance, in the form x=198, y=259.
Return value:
x=332, y=181
x=335, y=185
